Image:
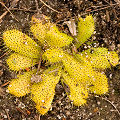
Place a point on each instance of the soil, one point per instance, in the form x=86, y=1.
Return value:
x=107, y=34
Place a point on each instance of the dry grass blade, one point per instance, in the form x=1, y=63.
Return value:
x=5, y=84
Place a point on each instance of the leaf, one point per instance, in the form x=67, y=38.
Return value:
x=72, y=26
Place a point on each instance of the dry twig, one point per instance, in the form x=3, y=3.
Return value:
x=111, y=104
x=112, y=8
x=7, y=114
x=50, y=7
x=27, y=10
x=117, y=1
x=5, y=84
x=5, y=53
x=21, y=111
x=36, y=5
x=13, y=4
x=85, y=13
x=39, y=64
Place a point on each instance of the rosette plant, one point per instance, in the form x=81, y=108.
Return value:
x=80, y=72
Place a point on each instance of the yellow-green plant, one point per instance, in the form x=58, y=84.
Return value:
x=18, y=62
x=101, y=58
x=78, y=92
x=81, y=72
x=21, y=85
x=85, y=29
x=21, y=43
x=42, y=93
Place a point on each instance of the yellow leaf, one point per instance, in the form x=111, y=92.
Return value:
x=78, y=91
x=20, y=86
x=85, y=29
x=21, y=43
x=42, y=93
x=17, y=62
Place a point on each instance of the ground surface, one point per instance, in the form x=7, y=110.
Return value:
x=107, y=14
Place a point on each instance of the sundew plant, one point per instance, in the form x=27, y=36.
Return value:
x=81, y=72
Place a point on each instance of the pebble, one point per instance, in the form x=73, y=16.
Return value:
x=59, y=117
x=21, y=105
x=68, y=113
x=5, y=116
x=98, y=103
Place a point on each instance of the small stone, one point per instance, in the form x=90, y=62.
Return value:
x=21, y=105
x=98, y=103
x=110, y=76
x=68, y=113
x=59, y=117
x=5, y=116
x=7, y=91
